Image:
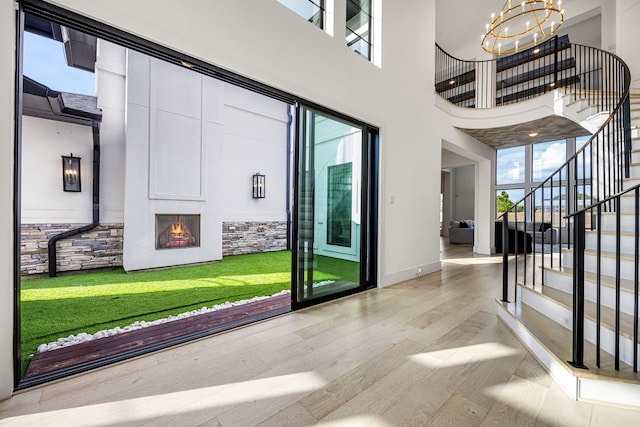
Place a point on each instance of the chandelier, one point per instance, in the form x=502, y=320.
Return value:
x=521, y=25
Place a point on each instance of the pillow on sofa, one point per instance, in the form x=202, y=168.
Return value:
x=470, y=223
x=463, y=224
x=454, y=224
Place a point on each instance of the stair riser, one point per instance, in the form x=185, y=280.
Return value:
x=608, y=265
x=628, y=204
x=608, y=242
x=564, y=283
x=564, y=317
x=627, y=223
x=630, y=182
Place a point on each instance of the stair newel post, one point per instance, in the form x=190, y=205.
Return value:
x=505, y=257
x=636, y=277
x=578, y=290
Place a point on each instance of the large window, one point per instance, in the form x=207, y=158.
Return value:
x=547, y=157
x=358, y=29
x=521, y=169
x=510, y=166
x=311, y=10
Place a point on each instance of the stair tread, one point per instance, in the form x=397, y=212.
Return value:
x=626, y=285
x=607, y=315
x=559, y=341
x=604, y=254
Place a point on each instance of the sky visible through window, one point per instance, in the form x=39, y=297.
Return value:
x=43, y=61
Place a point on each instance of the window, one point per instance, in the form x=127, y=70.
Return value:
x=311, y=10
x=510, y=165
x=519, y=170
x=358, y=29
x=506, y=198
x=546, y=158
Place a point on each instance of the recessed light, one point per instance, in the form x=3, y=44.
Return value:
x=186, y=64
x=452, y=82
x=532, y=134
x=536, y=50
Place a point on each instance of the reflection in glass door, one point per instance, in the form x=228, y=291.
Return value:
x=330, y=228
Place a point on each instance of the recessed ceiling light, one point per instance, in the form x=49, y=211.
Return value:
x=536, y=50
x=532, y=134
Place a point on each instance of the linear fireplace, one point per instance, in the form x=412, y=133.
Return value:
x=177, y=231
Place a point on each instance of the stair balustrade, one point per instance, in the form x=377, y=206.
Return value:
x=589, y=191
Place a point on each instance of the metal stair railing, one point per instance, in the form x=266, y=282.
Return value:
x=587, y=185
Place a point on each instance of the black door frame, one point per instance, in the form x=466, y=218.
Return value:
x=109, y=33
x=368, y=206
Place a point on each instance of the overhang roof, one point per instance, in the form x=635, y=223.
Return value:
x=43, y=102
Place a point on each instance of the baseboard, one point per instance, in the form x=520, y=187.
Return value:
x=408, y=274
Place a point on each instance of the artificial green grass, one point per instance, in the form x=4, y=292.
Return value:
x=53, y=308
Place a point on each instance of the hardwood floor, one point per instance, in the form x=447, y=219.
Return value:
x=429, y=351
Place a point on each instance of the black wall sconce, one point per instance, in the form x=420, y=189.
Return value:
x=258, y=186
x=71, y=173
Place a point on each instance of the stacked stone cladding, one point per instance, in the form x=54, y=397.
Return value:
x=248, y=237
x=97, y=248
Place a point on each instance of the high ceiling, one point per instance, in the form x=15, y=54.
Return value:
x=584, y=24
x=458, y=26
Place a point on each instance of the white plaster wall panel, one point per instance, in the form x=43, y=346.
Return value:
x=244, y=99
x=213, y=93
x=243, y=158
x=111, y=91
x=135, y=242
x=262, y=129
x=138, y=83
x=43, y=199
x=175, y=89
x=176, y=157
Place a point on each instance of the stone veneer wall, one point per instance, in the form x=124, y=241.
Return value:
x=98, y=248
x=253, y=236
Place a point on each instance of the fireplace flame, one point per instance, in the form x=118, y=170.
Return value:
x=176, y=229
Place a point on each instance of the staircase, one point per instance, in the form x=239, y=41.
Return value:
x=542, y=314
x=573, y=302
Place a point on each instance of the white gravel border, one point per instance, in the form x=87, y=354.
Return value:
x=84, y=337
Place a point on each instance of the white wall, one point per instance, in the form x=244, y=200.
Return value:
x=7, y=167
x=43, y=200
x=110, y=90
x=192, y=146
x=255, y=140
x=627, y=36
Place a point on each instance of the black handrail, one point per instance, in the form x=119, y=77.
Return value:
x=589, y=183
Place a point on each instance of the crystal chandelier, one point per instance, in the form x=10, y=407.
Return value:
x=521, y=25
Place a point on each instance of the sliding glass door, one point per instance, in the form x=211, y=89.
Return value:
x=332, y=254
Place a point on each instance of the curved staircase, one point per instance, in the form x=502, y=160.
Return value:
x=574, y=303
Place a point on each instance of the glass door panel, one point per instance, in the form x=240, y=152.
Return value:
x=328, y=237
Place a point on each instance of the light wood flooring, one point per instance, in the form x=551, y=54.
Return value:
x=429, y=351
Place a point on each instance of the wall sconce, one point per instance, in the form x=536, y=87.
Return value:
x=258, y=186
x=71, y=173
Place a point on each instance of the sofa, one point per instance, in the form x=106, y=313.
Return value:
x=461, y=232
x=524, y=234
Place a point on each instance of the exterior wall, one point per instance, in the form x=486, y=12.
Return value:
x=251, y=237
x=193, y=144
x=98, y=248
x=43, y=200
x=110, y=91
